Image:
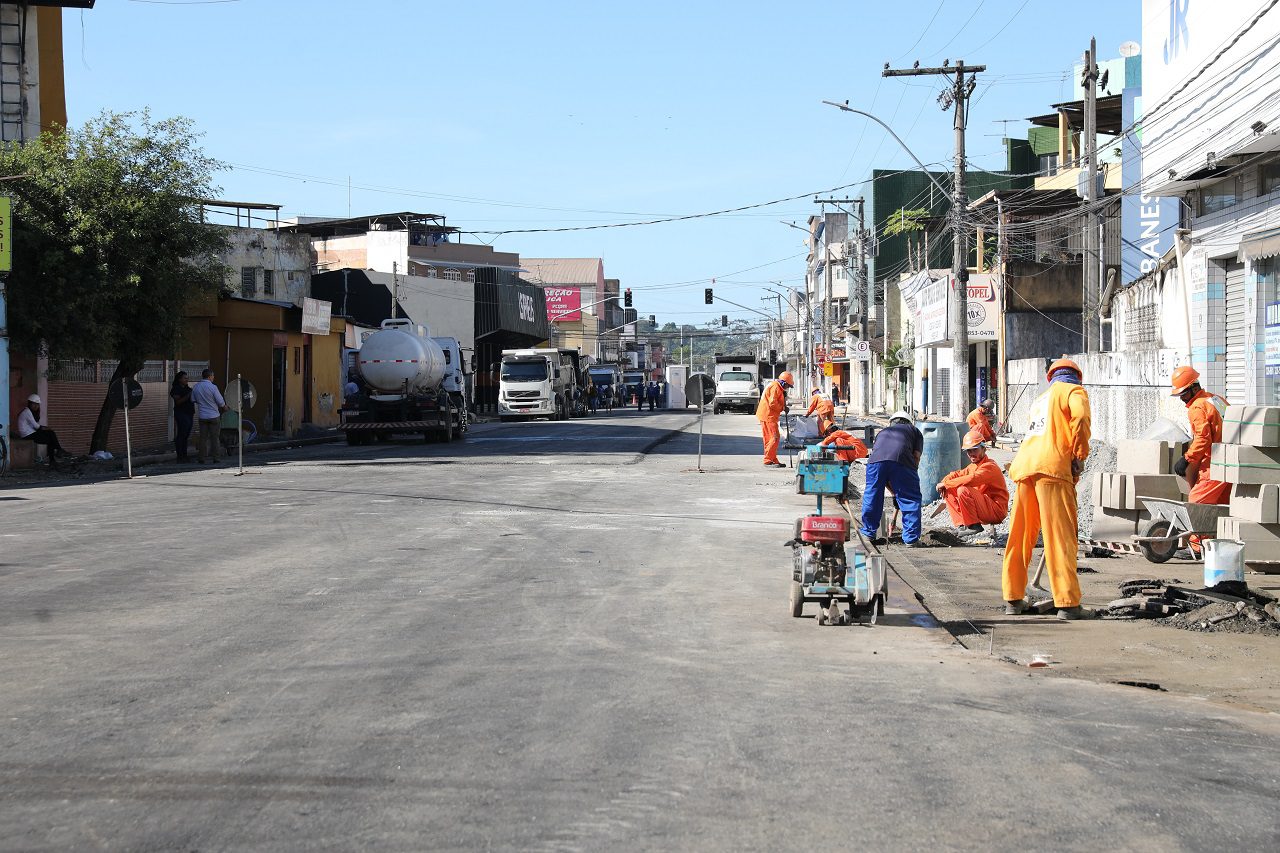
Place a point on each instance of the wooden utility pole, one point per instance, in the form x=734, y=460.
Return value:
x=957, y=96
x=1091, y=329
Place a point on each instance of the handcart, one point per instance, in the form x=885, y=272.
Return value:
x=848, y=584
x=1173, y=523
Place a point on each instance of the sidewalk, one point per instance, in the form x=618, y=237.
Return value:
x=961, y=588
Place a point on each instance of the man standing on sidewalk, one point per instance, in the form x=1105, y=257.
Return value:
x=209, y=409
x=1045, y=472
x=772, y=402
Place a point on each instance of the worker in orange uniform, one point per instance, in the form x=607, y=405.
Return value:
x=772, y=402
x=976, y=494
x=824, y=408
x=980, y=421
x=1204, y=411
x=1045, y=473
x=848, y=447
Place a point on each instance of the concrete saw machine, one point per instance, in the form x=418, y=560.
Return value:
x=830, y=566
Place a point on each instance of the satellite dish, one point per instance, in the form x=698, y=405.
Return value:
x=700, y=385
x=1130, y=48
x=242, y=390
x=116, y=393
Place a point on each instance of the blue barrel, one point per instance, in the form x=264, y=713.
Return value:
x=941, y=455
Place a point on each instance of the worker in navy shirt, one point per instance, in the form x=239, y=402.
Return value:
x=894, y=462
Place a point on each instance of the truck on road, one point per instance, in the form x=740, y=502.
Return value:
x=536, y=383
x=410, y=382
x=737, y=383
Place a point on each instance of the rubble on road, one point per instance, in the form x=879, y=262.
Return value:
x=1229, y=606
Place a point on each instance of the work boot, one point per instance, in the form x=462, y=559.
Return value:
x=1016, y=608
x=775, y=465
x=1070, y=614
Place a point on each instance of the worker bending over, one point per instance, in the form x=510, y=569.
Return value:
x=1045, y=473
x=772, y=402
x=1204, y=411
x=894, y=462
x=980, y=421
x=824, y=408
x=976, y=494
x=848, y=448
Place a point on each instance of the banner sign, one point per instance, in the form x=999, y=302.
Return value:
x=934, y=306
x=564, y=303
x=981, y=307
x=315, y=316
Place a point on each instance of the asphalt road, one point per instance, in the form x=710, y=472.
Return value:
x=550, y=636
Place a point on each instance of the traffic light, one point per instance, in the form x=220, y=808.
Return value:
x=626, y=298
x=653, y=320
x=724, y=319
x=773, y=356
x=707, y=297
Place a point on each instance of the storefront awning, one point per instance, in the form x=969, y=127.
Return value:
x=1260, y=244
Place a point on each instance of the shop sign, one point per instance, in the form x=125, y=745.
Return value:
x=564, y=303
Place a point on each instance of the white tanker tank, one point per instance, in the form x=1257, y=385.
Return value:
x=400, y=353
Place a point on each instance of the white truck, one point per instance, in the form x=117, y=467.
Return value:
x=535, y=383
x=410, y=383
x=737, y=383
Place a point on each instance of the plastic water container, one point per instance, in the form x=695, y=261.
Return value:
x=1223, y=561
x=941, y=455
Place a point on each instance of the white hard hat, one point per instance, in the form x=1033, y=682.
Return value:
x=901, y=414
x=34, y=398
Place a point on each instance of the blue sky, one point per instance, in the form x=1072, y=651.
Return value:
x=519, y=115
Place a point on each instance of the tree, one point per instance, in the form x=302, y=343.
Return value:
x=909, y=222
x=109, y=248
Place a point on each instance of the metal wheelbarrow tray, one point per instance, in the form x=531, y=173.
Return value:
x=1172, y=523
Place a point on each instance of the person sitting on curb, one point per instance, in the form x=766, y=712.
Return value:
x=29, y=428
x=976, y=494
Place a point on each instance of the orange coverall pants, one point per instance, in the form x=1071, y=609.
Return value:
x=1051, y=502
x=968, y=505
x=769, y=429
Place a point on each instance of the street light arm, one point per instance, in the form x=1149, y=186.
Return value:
x=745, y=308
x=945, y=192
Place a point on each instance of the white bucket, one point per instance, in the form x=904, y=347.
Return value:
x=1223, y=561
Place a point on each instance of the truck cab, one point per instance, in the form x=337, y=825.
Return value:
x=534, y=383
x=737, y=384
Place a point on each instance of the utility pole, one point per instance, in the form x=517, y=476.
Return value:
x=395, y=292
x=868, y=300
x=956, y=96
x=1090, y=329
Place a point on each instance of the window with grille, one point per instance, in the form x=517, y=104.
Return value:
x=268, y=283
x=1048, y=164
x=248, y=282
x=452, y=275
x=1269, y=178
x=471, y=276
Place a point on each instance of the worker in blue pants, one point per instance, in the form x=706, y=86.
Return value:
x=894, y=462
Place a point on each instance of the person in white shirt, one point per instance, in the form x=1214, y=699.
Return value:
x=30, y=429
x=209, y=409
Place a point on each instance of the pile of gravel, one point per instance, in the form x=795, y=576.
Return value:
x=1249, y=620
x=1102, y=459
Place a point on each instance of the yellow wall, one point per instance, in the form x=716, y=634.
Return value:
x=53, y=90
x=327, y=374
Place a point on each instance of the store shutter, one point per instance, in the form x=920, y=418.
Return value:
x=1237, y=322
x=942, y=393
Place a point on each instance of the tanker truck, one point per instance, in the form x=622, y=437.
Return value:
x=410, y=383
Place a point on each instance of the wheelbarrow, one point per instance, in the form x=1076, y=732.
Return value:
x=1173, y=523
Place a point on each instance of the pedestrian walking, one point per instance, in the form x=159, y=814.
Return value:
x=209, y=408
x=976, y=494
x=184, y=413
x=639, y=391
x=593, y=397
x=1045, y=473
x=651, y=393
x=835, y=394
x=894, y=462
x=772, y=403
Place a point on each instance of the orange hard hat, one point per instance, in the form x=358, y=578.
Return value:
x=971, y=440
x=816, y=391
x=1183, y=378
x=786, y=378
x=1061, y=363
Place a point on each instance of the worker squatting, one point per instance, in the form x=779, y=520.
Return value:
x=1045, y=472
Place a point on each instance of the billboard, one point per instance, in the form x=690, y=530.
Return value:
x=933, y=308
x=564, y=303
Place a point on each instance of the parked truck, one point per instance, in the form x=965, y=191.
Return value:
x=737, y=383
x=410, y=383
x=536, y=383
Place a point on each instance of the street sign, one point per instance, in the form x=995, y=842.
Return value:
x=828, y=369
x=243, y=390
x=700, y=386
x=6, y=234
x=861, y=351
x=116, y=393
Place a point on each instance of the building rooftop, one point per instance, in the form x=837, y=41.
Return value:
x=403, y=221
x=586, y=271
